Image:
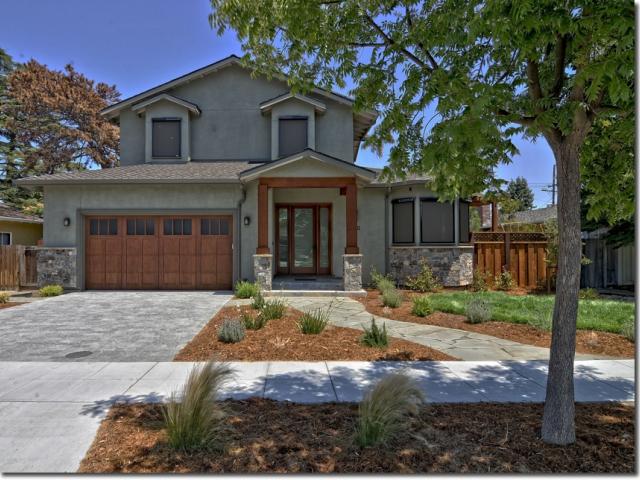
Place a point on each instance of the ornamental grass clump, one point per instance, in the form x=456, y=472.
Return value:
x=478, y=311
x=375, y=336
x=51, y=291
x=232, y=330
x=422, y=306
x=258, y=301
x=244, y=289
x=194, y=418
x=391, y=298
x=4, y=297
x=381, y=282
x=314, y=322
x=253, y=322
x=273, y=309
x=386, y=409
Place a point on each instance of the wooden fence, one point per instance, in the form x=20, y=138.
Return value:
x=523, y=254
x=18, y=267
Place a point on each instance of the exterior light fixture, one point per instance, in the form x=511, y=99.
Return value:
x=66, y=222
x=246, y=220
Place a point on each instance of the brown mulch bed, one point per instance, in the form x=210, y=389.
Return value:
x=281, y=437
x=281, y=340
x=9, y=305
x=587, y=341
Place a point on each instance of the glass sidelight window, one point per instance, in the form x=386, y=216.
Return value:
x=283, y=240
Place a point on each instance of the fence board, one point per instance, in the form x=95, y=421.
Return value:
x=9, y=267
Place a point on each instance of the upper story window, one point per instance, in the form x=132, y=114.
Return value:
x=403, y=219
x=165, y=138
x=292, y=135
x=436, y=221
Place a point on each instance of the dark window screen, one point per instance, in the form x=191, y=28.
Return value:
x=292, y=135
x=436, y=222
x=403, y=220
x=465, y=230
x=166, y=138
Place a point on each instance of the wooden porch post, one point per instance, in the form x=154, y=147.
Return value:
x=494, y=217
x=263, y=219
x=352, y=219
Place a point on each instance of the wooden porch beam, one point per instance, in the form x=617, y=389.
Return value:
x=307, y=182
x=352, y=219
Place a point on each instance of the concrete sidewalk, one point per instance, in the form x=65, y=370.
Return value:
x=49, y=412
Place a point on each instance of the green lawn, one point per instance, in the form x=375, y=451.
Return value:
x=604, y=315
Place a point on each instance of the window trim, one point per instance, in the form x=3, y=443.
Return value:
x=10, y=238
x=469, y=240
x=453, y=221
x=167, y=119
x=306, y=132
x=399, y=200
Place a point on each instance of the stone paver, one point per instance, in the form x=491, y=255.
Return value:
x=113, y=326
x=50, y=411
x=468, y=346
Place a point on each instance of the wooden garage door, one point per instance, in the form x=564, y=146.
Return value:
x=152, y=252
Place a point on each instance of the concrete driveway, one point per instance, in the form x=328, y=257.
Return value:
x=112, y=326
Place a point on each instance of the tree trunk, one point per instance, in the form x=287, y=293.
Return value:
x=558, y=425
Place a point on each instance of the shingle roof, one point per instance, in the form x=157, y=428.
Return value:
x=539, y=215
x=8, y=213
x=411, y=178
x=191, y=172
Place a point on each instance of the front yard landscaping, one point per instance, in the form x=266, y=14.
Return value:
x=282, y=339
x=521, y=318
x=267, y=436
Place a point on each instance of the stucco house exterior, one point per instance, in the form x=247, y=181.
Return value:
x=226, y=176
x=18, y=228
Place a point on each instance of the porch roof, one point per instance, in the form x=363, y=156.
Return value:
x=362, y=173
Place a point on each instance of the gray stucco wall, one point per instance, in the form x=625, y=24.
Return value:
x=231, y=125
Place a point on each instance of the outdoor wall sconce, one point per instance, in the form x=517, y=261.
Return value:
x=246, y=220
x=66, y=222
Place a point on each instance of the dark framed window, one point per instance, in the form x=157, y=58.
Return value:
x=5, y=238
x=464, y=221
x=292, y=135
x=214, y=226
x=103, y=226
x=177, y=226
x=141, y=226
x=403, y=220
x=165, y=137
x=436, y=221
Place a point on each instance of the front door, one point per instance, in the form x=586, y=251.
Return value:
x=303, y=237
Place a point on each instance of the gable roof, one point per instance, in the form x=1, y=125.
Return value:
x=360, y=172
x=192, y=107
x=11, y=214
x=267, y=105
x=538, y=215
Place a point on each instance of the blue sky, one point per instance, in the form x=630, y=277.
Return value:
x=137, y=44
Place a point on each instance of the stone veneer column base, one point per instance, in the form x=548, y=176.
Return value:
x=451, y=265
x=57, y=266
x=352, y=272
x=263, y=270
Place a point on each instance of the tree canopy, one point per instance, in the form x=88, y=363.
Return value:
x=518, y=196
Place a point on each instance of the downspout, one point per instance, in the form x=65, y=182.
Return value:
x=386, y=230
x=240, y=202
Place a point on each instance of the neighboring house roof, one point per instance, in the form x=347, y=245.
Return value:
x=410, y=179
x=362, y=121
x=11, y=214
x=140, y=107
x=267, y=105
x=361, y=172
x=538, y=215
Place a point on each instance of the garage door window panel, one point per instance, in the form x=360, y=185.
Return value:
x=177, y=226
x=103, y=226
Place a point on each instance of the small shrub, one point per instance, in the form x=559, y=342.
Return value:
x=193, y=418
x=258, y=301
x=504, y=281
x=386, y=409
x=4, y=297
x=628, y=329
x=391, y=298
x=589, y=294
x=314, y=321
x=51, y=291
x=253, y=322
x=478, y=311
x=273, y=309
x=425, y=281
x=381, y=282
x=375, y=336
x=479, y=282
x=422, y=306
x=244, y=289
x=231, y=331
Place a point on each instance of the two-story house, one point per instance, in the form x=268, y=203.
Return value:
x=226, y=176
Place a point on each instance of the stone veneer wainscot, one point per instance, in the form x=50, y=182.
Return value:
x=57, y=266
x=452, y=265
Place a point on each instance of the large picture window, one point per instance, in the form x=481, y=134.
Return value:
x=403, y=220
x=436, y=221
x=292, y=135
x=165, y=138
